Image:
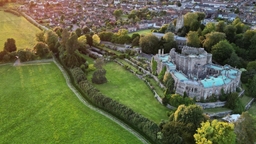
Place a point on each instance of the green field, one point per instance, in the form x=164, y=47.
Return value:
x=38, y=107
x=141, y=32
x=19, y=28
x=126, y=88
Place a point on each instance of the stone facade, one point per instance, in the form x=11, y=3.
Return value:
x=195, y=74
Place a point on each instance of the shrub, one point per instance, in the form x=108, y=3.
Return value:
x=78, y=74
x=99, y=76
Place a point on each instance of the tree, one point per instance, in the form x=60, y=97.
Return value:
x=188, y=119
x=170, y=28
x=245, y=129
x=212, y=39
x=220, y=26
x=96, y=39
x=41, y=49
x=89, y=39
x=117, y=13
x=51, y=39
x=215, y=132
x=149, y=44
x=136, y=41
x=189, y=18
x=9, y=45
x=209, y=28
x=194, y=25
x=40, y=36
x=169, y=41
x=193, y=39
x=86, y=30
x=168, y=82
x=252, y=87
x=163, y=28
x=82, y=41
x=222, y=51
x=234, y=60
x=78, y=32
x=201, y=16
x=233, y=102
x=99, y=75
x=192, y=114
x=230, y=32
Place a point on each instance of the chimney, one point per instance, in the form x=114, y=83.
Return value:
x=159, y=52
x=162, y=52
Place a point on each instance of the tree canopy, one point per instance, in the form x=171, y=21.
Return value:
x=215, y=132
x=149, y=44
x=222, y=51
x=9, y=45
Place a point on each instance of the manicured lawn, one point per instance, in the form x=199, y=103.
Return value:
x=126, y=88
x=38, y=107
x=19, y=28
x=214, y=110
x=141, y=32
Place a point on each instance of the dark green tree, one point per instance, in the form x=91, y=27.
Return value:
x=149, y=44
x=9, y=45
x=245, y=129
x=41, y=49
x=211, y=39
x=222, y=51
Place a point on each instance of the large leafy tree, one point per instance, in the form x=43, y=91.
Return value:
x=189, y=18
x=9, y=45
x=211, y=39
x=215, y=132
x=118, y=13
x=193, y=39
x=41, y=49
x=51, y=39
x=210, y=27
x=222, y=51
x=245, y=129
x=149, y=44
x=230, y=32
x=169, y=42
x=252, y=87
x=188, y=118
x=220, y=26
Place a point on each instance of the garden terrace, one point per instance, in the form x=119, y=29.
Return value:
x=37, y=106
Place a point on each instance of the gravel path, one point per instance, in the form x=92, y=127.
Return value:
x=79, y=96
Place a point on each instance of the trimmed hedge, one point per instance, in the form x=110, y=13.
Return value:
x=135, y=120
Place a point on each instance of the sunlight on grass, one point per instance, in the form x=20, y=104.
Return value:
x=38, y=107
x=18, y=28
x=126, y=88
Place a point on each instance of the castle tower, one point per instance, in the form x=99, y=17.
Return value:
x=180, y=21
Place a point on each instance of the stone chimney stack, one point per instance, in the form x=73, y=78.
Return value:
x=162, y=52
x=159, y=52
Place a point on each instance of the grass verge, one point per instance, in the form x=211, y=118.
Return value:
x=38, y=107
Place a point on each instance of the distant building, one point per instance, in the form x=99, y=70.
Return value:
x=180, y=41
x=195, y=74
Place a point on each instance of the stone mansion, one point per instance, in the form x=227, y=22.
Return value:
x=195, y=74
